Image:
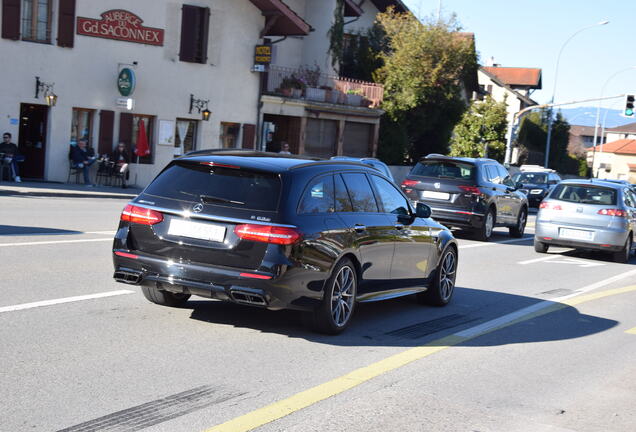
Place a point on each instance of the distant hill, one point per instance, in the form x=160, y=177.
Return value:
x=585, y=116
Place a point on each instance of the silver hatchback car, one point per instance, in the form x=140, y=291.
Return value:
x=588, y=214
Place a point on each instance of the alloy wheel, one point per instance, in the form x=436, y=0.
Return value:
x=342, y=296
x=522, y=222
x=447, y=276
x=489, y=224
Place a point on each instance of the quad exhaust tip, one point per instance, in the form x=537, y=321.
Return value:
x=248, y=298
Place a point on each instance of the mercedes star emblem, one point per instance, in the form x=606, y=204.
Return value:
x=197, y=208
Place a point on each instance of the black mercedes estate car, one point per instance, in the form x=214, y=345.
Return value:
x=475, y=194
x=281, y=232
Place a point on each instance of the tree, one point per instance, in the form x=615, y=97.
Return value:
x=424, y=67
x=484, y=124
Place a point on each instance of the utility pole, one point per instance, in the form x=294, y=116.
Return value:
x=516, y=119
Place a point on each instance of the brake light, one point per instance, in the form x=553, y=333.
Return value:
x=409, y=183
x=471, y=189
x=267, y=234
x=219, y=165
x=613, y=212
x=547, y=205
x=141, y=215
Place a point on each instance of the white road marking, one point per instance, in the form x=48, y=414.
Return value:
x=495, y=243
x=55, y=242
x=576, y=262
x=63, y=300
x=535, y=260
x=57, y=233
x=503, y=320
x=101, y=232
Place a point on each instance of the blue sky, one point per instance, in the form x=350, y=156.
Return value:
x=530, y=34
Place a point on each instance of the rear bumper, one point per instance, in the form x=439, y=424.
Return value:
x=457, y=217
x=611, y=240
x=272, y=291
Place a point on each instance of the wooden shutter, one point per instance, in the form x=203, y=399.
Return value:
x=125, y=130
x=11, y=19
x=249, y=134
x=66, y=24
x=105, y=143
x=195, y=23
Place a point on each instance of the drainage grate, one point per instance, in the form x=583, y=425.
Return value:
x=426, y=328
x=158, y=411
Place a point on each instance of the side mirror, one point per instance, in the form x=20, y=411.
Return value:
x=422, y=210
x=518, y=185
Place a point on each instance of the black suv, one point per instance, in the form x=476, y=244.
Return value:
x=536, y=185
x=281, y=232
x=473, y=194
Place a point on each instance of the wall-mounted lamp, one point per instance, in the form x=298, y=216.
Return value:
x=47, y=90
x=202, y=107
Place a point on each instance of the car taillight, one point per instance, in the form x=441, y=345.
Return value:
x=409, y=183
x=470, y=189
x=141, y=215
x=547, y=205
x=612, y=212
x=267, y=234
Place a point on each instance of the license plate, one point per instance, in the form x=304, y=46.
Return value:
x=575, y=234
x=198, y=230
x=436, y=195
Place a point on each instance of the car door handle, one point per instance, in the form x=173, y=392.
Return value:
x=399, y=226
x=359, y=228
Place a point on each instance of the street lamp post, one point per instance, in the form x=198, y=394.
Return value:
x=556, y=75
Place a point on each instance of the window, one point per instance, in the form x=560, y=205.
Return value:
x=343, y=202
x=185, y=136
x=491, y=174
x=195, y=23
x=584, y=194
x=81, y=124
x=230, y=135
x=444, y=169
x=531, y=178
x=504, y=176
x=36, y=20
x=318, y=197
x=360, y=192
x=391, y=199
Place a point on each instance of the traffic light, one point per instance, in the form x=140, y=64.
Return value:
x=628, y=111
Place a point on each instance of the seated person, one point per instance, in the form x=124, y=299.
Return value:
x=81, y=160
x=11, y=156
x=121, y=159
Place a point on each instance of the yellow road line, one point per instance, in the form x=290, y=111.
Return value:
x=631, y=331
x=282, y=408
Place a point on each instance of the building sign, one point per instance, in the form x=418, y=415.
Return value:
x=126, y=82
x=263, y=54
x=121, y=25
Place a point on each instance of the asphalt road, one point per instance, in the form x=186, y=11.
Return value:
x=529, y=343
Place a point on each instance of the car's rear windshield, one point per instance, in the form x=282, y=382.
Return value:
x=530, y=178
x=445, y=169
x=584, y=194
x=199, y=182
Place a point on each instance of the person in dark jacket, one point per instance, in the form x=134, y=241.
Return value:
x=121, y=159
x=11, y=156
x=81, y=159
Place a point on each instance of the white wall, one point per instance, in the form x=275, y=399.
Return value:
x=85, y=75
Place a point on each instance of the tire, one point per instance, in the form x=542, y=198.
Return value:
x=485, y=231
x=164, y=298
x=443, y=287
x=339, y=301
x=624, y=254
x=540, y=247
x=518, y=230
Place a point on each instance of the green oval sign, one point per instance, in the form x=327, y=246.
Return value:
x=126, y=82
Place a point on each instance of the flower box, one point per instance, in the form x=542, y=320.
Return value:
x=315, y=94
x=354, y=99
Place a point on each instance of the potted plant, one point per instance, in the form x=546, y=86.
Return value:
x=292, y=86
x=354, y=97
x=311, y=76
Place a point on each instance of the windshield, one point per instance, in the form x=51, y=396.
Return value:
x=530, y=178
x=584, y=194
x=444, y=169
x=194, y=182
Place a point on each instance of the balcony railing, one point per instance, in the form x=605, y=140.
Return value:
x=314, y=86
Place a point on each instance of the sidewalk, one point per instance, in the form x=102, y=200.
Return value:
x=67, y=190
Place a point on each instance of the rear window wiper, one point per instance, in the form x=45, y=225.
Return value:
x=208, y=199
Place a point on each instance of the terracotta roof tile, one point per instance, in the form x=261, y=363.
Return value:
x=624, y=146
x=530, y=77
